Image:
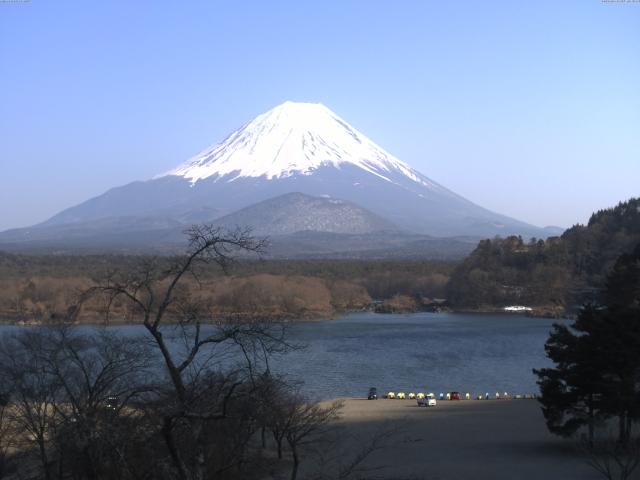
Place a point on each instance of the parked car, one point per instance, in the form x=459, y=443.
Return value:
x=455, y=396
x=400, y=396
x=428, y=400
x=391, y=395
x=420, y=395
x=373, y=394
x=412, y=396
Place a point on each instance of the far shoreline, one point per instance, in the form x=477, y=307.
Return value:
x=288, y=319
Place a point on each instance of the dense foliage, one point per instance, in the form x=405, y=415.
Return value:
x=555, y=273
x=597, y=360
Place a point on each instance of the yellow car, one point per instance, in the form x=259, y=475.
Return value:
x=412, y=396
x=420, y=395
x=400, y=396
x=391, y=395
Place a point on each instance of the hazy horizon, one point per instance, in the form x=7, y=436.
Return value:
x=530, y=110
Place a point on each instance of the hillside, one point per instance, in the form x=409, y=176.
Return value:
x=297, y=212
x=556, y=274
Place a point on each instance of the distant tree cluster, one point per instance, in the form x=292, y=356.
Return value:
x=293, y=296
x=42, y=288
x=511, y=271
x=557, y=272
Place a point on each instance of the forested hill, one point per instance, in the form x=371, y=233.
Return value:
x=558, y=273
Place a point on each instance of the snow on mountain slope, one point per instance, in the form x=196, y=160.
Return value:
x=293, y=138
x=295, y=147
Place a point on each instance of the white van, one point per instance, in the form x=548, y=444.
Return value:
x=428, y=401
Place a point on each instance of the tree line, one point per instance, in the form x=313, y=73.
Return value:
x=557, y=273
x=40, y=288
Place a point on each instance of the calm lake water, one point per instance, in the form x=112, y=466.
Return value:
x=419, y=352
x=416, y=352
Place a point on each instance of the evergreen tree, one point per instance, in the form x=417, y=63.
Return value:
x=620, y=339
x=597, y=360
x=571, y=393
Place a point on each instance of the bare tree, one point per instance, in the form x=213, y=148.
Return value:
x=611, y=458
x=101, y=377
x=175, y=321
x=32, y=396
x=186, y=400
x=71, y=397
x=301, y=423
x=5, y=431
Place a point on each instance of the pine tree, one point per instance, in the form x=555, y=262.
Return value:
x=620, y=336
x=597, y=360
x=571, y=393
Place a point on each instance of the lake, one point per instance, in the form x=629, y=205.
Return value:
x=435, y=352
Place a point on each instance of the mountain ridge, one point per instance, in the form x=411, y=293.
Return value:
x=295, y=147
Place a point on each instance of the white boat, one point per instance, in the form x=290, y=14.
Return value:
x=517, y=308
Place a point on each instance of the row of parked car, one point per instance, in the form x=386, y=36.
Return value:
x=424, y=398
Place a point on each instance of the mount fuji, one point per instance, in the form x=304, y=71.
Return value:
x=294, y=147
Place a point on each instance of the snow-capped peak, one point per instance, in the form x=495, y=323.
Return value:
x=292, y=139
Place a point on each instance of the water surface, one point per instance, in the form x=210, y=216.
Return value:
x=441, y=352
x=419, y=352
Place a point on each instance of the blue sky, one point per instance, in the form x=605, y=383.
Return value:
x=531, y=109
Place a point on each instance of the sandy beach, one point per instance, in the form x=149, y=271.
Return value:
x=480, y=439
